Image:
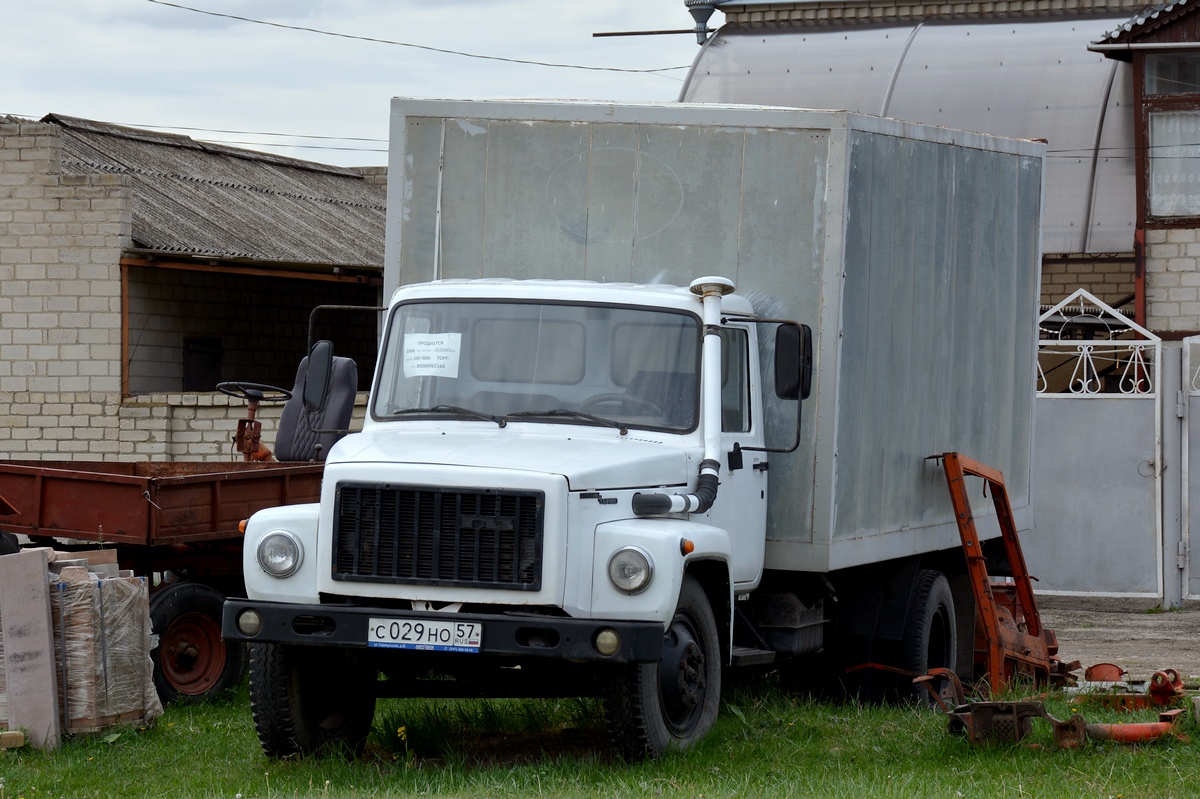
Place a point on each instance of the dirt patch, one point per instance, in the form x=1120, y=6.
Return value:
x=1132, y=633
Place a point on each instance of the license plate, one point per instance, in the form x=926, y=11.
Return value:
x=427, y=635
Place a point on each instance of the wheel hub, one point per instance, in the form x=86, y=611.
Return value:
x=192, y=653
x=682, y=675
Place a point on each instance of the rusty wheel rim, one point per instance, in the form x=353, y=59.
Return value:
x=191, y=653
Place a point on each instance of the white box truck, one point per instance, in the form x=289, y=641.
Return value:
x=654, y=398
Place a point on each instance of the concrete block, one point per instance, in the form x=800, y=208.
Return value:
x=30, y=676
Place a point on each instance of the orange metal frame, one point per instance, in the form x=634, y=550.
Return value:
x=1010, y=639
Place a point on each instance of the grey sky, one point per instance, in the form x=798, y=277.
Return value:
x=148, y=64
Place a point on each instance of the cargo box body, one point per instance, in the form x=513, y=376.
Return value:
x=911, y=251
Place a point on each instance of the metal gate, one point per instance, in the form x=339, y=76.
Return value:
x=1189, y=482
x=1098, y=467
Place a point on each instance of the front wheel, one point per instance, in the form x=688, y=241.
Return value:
x=308, y=699
x=656, y=707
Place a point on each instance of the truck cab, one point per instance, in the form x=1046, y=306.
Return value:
x=560, y=489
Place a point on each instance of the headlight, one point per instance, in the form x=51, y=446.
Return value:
x=631, y=569
x=280, y=554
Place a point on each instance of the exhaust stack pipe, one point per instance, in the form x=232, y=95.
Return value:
x=710, y=290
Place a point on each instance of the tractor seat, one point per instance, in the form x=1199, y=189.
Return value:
x=306, y=437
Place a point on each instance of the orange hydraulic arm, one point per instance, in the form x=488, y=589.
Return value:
x=1010, y=640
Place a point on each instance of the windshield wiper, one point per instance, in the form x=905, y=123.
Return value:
x=564, y=412
x=499, y=420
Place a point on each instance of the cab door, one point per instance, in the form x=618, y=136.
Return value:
x=741, y=504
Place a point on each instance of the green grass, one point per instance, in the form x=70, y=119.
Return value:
x=768, y=742
x=1160, y=609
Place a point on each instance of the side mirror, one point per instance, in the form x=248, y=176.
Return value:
x=793, y=361
x=317, y=375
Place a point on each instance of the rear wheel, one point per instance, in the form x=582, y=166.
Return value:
x=930, y=636
x=192, y=661
x=308, y=699
x=656, y=707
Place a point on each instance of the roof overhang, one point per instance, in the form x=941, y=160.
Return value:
x=157, y=259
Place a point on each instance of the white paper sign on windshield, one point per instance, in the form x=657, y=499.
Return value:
x=434, y=354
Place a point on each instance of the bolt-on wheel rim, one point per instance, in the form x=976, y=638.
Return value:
x=192, y=653
x=682, y=680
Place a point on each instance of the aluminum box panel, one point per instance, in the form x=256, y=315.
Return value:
x=936, y=333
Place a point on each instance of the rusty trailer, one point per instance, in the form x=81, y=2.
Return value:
x=175, y=522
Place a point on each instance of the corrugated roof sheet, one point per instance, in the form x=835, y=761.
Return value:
x=1142, y=19
x=203, y=199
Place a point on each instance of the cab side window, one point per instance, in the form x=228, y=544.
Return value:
x=735, y=381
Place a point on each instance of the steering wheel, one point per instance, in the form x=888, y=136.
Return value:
x=635, y=402
x=254, y=392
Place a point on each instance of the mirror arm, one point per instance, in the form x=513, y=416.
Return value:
x=795, y=444
x=799, y=403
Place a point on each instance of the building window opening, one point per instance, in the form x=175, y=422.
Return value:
x=1174, y=163
x=1172, y=73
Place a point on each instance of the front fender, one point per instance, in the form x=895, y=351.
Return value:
x=661, y=539
x=301, y=522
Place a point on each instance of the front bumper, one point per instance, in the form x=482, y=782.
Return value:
x=508, y=635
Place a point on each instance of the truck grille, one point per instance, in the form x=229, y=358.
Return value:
x=481, y=538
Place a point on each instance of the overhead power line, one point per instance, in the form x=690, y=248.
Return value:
x=297, y=146
x=254, y=132
x=416, y=46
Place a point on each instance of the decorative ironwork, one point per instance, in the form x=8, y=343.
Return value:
x=1088, y=348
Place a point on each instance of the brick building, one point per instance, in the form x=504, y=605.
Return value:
x=140, y=268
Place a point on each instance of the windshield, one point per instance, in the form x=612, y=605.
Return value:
x=552, y=362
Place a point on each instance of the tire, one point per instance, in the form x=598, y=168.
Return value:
x=191, y=661
x=653, y=708
x=306, y=700
x=930, y=633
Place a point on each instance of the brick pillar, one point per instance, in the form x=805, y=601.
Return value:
x=61, y=239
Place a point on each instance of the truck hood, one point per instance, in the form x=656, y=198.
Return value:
x=587, y=463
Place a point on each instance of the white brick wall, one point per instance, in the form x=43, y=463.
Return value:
x=1111, y=281
x=194, y=427
x=1173, y=279
x=61, y=237
x=157, y=427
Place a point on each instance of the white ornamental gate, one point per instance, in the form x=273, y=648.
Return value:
x=1099, y=470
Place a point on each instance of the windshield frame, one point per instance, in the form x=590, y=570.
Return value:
x=390, y=337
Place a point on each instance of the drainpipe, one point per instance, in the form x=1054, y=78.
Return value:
x=710, y=290
x=1139, y=276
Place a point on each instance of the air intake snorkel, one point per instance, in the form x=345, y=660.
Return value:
x=710, y=290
